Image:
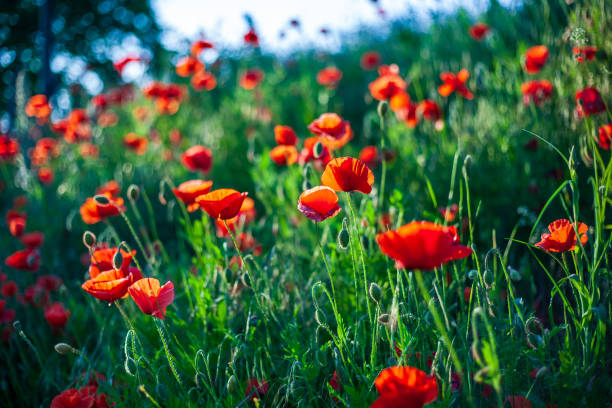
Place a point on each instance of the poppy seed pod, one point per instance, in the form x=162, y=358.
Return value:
x=375, y=292
x=102, y=200
x=89, y=239
x=133, y=192
x=117, y=260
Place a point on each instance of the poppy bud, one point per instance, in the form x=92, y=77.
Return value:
x=63, y=348
x=473, y=274
x=320, y=317
x=102, y=200
x=229, y=274
x=541, y=372
x=317, y=150
x=343, y=235
x=365, y=241
x=514, y=274
x=89, y=239
x=117, y=260
x=17, y=325
x=467, y=162
x=232, y=384
x=488, y=278
x=384, y=318
x=306, y=185
x=246, y=280
x=383, y=108
x=375, y=292
x=133, y=192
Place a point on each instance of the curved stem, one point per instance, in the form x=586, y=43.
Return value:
x=353, y=239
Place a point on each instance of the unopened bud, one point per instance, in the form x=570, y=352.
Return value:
x=365, y=241
x=133, y=192
x=375, y=292
x=383, y=108
x=306, y=185
x=467, y=162
x=514, y=274
x=229, y=274
x=246, y=280
x=117, y=259
x=89, y=239
x=384, y=319
x=232, y=384
x=101, y=199
x=473, y=274
x=541, y=372
x=317, y=150
x=63, y=348
x=343, y=235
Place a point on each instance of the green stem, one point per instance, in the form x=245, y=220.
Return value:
x=160, y=330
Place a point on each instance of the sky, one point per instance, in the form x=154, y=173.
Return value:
x=222, y=21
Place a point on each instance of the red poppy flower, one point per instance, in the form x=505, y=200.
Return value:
x=348, y=174
x=45, y=175
x=537, y=91
x=33, y=239
x=246, y=214
x=222, y=204
x=95, y=210
x=404, y=387
x=535, y=58
x=8, y=148
x=111, y=285
x=9, y=289
x=307, y=153
x=251, y=78
x=562, y=236
x=197, y=158
x=7, y=316
x=49, y=283
x=422, y=245
x=392, y=69
x=449, y=213
x=44, y=149
x=251, y=38
x=111, y=187
x=25, y=259
x=88, y=150
x=589, y=102
x=75, y=128
x=333, y=130
x=285, y=135
x=386, y=86
x=199, y=46
x=329, y=77
x=479, y=31
x=456, y=83
x=57, y=315
x=188, y=66
x=319, y=203
x=284, y=155
x=430, y=110
x=369, y=155
x=38, y=106
x=518, y=401
x=370, y=60
x=152, y=298
x=136, y=143
x=256, y=389
x=16, y=222
x=120, y=65
x=188, y=191
x=405, y=110
x=605, y=136
x=584, y=53
x=203, y=80
x=73, y=398
x=102, y=261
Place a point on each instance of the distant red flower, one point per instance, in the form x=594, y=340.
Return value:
x=198, y=46
x=369, y=155
x=188, y=66
x=111, y=285
x=285, y=135
x=405, y=110
x=75, y=128
x=8, y=148
x=102, y=261
x=57, y=315
x=245, y=215
x=44, y=149
x=333, y=130
x=467, y=293
x=449, y=213
x=45, y=175
x=111, y=187
x=562, y=236
x=430, y=110
x=589, y=102
x=329, y=77
x=584, y=53
x=87, y=149
x=136, y=143
x=251, y=78
x=404, y=387
x=605, y=136
x=49, y=283
x=25, y=259
x=535, y=58
x=100, y=101
x=152, y=298
x=188, y=191
x=455, y=83
x=334, y=382
x=251, y=38
x=38, y=106
x=203, y=80
x=122, y=63
x=385, y=86
x=9, y=289
x=518, y=401
x=33, y=239
x=479, y=31
x=537, y=91
x=221, y=204
x=392, y=69
x=6, y=316
x=16, y=222
x=101, y=207
x=422, y=245
x=348, y=174
x=284, y=155
x=319, y=203
x=256, y=388
x=370, y=60
x=197, y=158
